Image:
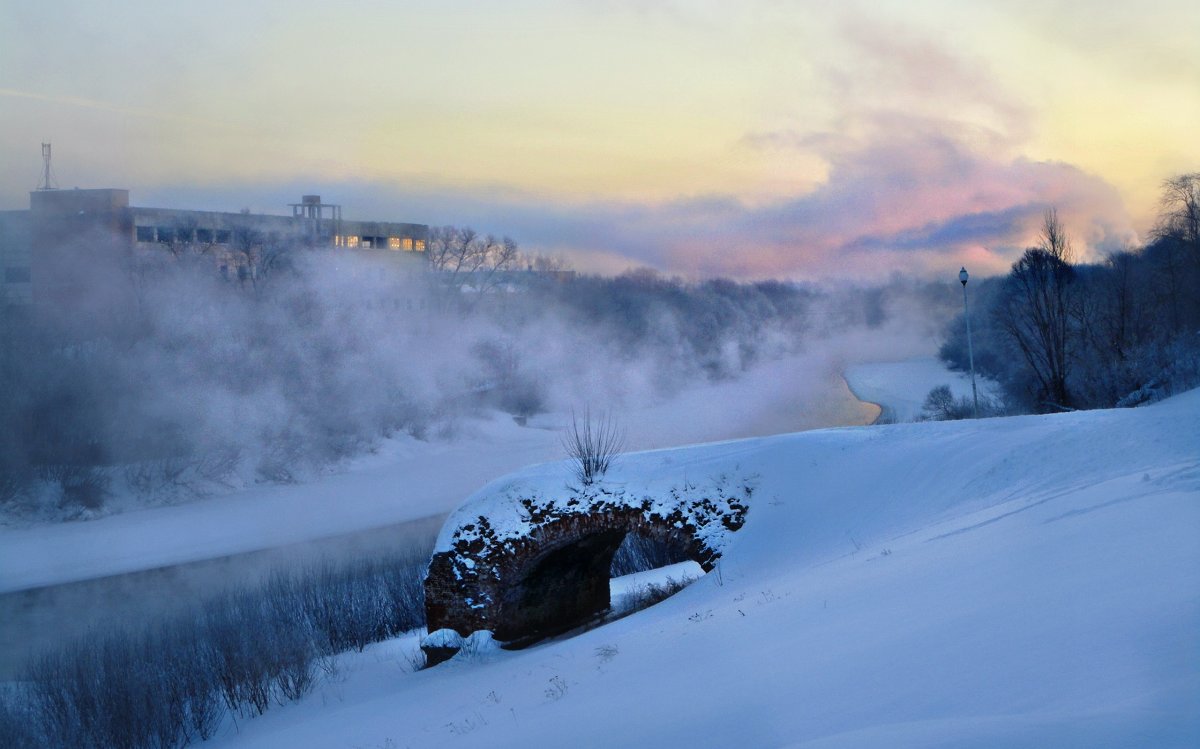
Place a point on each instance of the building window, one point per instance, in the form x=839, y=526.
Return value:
x=166, y=234
x=16, y=275
x=407, y=244
x=204, y=236
x=393, y=243
x=223, y=236
x=420, y=246
x=145, y=233
x=352, y=241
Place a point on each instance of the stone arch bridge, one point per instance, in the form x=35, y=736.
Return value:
x=524, y=564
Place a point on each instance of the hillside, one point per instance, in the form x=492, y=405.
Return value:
x=1031, y=581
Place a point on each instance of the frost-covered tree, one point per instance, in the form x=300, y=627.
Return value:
x=468, y=261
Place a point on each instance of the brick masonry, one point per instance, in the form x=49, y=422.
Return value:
x=555, y=575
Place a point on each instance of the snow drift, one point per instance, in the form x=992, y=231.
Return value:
x=1030, y=581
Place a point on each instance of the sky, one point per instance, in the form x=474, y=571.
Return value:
x=763, y=138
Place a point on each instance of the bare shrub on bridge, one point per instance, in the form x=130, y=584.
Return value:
x=593, y=445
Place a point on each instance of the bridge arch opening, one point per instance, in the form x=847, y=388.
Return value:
x=569, y=584
x=640, y=553
x=559, y=589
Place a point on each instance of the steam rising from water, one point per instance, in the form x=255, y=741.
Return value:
x=322, y=355
x=325, y=358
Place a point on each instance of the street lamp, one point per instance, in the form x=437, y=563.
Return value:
x=962, y=276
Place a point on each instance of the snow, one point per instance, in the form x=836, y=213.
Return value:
x=900, y=387
x=443, y=638
x=624, y=591
x=551, y=491
x=1029, y=581
x=410, y=479
x=638, y=581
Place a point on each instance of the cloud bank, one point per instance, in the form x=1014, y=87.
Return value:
x=903, y=195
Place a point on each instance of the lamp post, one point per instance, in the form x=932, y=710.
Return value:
x=963, y=276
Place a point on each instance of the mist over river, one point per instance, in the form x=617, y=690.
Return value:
x=92, y=579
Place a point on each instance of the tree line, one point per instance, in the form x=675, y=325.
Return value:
x=1059, y=334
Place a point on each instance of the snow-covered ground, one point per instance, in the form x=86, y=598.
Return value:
x=1020, y=582
x=900, y=387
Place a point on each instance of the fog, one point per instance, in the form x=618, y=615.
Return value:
x=163, y=373
x=161, y=379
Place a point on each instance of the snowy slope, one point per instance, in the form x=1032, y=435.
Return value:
x=1030, y=581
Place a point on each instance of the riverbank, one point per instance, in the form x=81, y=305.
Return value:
x=899, y=388
x=408, y=479
x=57, y=581
x=38, y=618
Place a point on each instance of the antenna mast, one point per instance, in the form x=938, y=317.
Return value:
x=46, y=179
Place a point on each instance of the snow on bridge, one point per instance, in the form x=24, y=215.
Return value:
x=524, y=562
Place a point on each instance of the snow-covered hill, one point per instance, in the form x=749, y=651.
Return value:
x=1030, y=581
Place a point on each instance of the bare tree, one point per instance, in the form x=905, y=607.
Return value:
x=1037, y=310
x=1178, y=235
x=548, y=264
x=467, y=261
x=592, y=445
x=1116, y=321
x=941, y=405
x=1180, y=217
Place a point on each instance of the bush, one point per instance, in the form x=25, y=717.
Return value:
x=171, y=683
x=80, y=486
x=592, y=445
x=191, y=476
x=652, y=593
x=11, y=487
x=940, y=405
x=18, y=722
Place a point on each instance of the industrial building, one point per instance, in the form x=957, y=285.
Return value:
x=37, y=244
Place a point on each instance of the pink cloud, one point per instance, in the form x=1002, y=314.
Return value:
x=906, y=194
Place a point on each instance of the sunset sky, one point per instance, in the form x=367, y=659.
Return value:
x=748, y=139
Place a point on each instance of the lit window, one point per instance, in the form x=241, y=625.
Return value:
x=420, y=245
x=352, y=241
x=408, y=244
x=393, y=243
